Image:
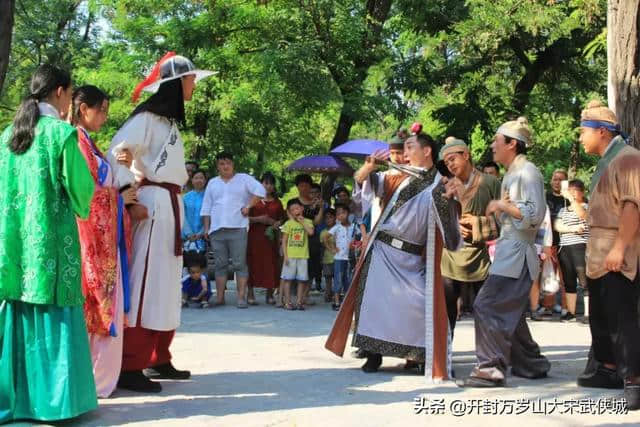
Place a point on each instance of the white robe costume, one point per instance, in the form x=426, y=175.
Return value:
x=158, y=155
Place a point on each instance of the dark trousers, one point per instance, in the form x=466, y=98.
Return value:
x=573, y=266
x=502, y=335
x=452, y=291
x=314, y=264
x=613, y=317
x=144, y=348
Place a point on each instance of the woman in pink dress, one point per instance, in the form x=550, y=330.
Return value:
x=104, y=241
x=262, y=249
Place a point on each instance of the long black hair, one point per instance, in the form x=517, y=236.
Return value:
x=270, y=178
x=89, y=95
x=44, y=81
x=167, y=102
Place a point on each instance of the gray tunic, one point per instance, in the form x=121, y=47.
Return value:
x=525, y=186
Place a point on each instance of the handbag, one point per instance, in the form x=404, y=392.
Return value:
x=550, y=281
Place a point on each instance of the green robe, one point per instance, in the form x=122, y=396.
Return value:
x=45, y=364
x=471, y=262
x=40, y=191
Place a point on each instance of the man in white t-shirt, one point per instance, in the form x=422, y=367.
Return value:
x=225, y=211
x=343, y=233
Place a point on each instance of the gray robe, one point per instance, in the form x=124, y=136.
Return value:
x=399, y=304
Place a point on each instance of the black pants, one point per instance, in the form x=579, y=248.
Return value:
x=613, y=317
x=452, y=291
x=573, y=266
x=314, y=264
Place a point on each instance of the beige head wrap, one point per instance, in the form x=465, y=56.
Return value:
x=517, y=129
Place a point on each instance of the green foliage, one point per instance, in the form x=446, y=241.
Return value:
x=597, y=45
x=290, y=73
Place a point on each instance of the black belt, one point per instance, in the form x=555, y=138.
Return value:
x=400, y=244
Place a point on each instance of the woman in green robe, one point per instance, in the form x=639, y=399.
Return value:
x=45, y=364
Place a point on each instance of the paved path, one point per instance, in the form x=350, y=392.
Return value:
x=267, y=367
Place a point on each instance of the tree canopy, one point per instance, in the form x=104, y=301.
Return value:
x=297, y=77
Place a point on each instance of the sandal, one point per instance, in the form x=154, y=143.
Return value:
x=204, y=304
x=289, y=306
x=301, y=307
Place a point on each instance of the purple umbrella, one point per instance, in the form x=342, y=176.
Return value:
x=359, y=148
x=321, y=164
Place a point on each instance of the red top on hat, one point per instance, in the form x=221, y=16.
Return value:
x=151, y=78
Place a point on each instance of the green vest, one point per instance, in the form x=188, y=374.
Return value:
x=39, y=191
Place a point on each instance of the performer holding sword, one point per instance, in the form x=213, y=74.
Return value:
x=397, y=293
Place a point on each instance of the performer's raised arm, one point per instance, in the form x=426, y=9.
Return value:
x=370, y=166
x=368, y=183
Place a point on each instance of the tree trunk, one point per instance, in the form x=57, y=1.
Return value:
x=7, y=8
x=345, y=122
x=574, y=159
x=624, y=64
x=327, y=182
x=553, y=56
x=259, y=170
x=87, y=27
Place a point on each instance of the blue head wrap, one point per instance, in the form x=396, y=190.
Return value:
x=597, y=124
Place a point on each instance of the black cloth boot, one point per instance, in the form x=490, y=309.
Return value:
x=410, y=364
x=374, y=360
x=136, y=381
x=166, y=371
x=602, y=377
x=632, y=396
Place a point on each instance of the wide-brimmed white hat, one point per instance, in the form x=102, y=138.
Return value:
x=170, y=67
